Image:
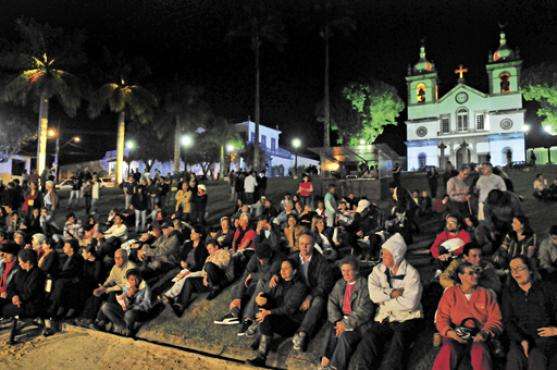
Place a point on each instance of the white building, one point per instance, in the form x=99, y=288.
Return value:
x=466, y=125
x=13, y=166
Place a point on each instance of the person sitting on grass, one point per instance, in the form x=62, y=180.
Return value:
x=278, y=309
x=349, y=308
x=529, y=311
x=468, y=317
x=127, y=310
x=211, y=278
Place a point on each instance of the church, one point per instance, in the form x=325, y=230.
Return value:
x=466, y=125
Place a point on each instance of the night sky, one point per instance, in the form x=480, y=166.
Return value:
x=188, y=38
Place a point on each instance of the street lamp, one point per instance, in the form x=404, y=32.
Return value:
x=526, y=128
x=229, y=148
x=130, y=145
x=53, y=133
x=548, y=129
x=186, y=141
x=296, y=144
x=362, y=141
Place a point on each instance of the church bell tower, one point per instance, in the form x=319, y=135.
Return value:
x=503, y=69
x=422, y=81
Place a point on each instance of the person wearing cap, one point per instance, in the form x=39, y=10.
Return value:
x=164, y=252
x=128, y=309
x=199, y=205
x=25, y=295
x=8, y=266
x=259, y=270
x=394, y=286
x=547, y=255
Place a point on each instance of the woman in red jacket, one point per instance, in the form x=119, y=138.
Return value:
x=305, y=190
x=468, y=316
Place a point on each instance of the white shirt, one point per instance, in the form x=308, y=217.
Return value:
x=249, y=184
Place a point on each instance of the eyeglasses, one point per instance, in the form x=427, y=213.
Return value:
x=519, y=269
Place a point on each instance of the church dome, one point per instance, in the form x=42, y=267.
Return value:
x=503, y=53
x=423, y=65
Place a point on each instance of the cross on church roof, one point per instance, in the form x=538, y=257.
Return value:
x=460, y=71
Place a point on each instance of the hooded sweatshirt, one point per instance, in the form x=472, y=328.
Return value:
x=382, y=281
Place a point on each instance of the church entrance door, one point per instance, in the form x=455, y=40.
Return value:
x=462, y=156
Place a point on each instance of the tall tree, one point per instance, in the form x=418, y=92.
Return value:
x=223, y=133
x=539, y=84
x=17, y=130
x=260, y=23
x=124, y=97
x=378, y=105
x=346, y=122
x=331, y=18
x=183, y=110
x=40, y=58
x=150, y=144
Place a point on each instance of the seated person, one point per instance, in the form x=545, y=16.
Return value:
x=349, y=309
x=473, y=308
x=547, y=255
x=114, y=283
x=226, y=233
x=49, y=259
x=8, y=267
x=73, y=229
x=278, y=309
x=163, y=254
x=211, y=278
x=282, y=216
x=425, y=204
x=449, y=243
x=395, y=287
x=292, y=232
x=529, y=311
x=260, y=270
x=521, y=241
x=541, y=190
x=487, y=275
x=93, y=274
x=128, y=309
x=118, y=230
x=322, y=236
x=25, y=295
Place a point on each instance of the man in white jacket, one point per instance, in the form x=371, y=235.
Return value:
x=395, y=287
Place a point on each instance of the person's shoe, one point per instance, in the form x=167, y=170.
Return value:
x=214, y=293
x=252, y=330
x=178, y=309
x=228, y=319
x=244, y=328
x=258, y=361
x=299, y=341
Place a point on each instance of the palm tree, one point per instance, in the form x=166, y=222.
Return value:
x=330, y=19
x=259, y=23
x=38, y=58
x=183, y=110
x=125, y=98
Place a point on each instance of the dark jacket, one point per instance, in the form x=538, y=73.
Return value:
x=140, y=199
x=362, y=307
x=51, y=264
x=92, y=274
x=286, y=298
x=403, y=201
x=524, y=313
x=499, y=217
x=71, y=268
x=262, y=272
x=199, y=255
x=29, y=287
x=321, y=277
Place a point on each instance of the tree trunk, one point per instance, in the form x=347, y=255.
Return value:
x=326, y=99
x=222, y=162
x=257, y=107
x=42, y=135
x=177, y=148
x=120, y=147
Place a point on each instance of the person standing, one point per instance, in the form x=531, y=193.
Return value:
x=95, y=193
x=250, y=184
x=75, y=192
x=50, y=198
x=533, y=159
x=487, y=182
x=396, y=172
x=127, y=187
x=432, y=180
x=140, y=203
x=305, y=191
x=87, y=195
x=330, y=205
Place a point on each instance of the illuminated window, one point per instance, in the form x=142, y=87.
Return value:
x=420, y=93
x=504, y=82
x=445, y=124
x=462, y=119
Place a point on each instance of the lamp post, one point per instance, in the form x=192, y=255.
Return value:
x=52, y=133
x=296, y=144
x=186, y=141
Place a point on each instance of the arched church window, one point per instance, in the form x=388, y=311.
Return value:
x=422, y=160
x=420, y=93
x=504, y=82
x=462, y=119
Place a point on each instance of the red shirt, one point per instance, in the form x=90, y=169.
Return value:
x=444, y=236
x=242, y=240
x=8, y=267
x=346, y=307
x=305, y=189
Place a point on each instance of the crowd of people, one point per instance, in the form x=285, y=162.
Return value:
x=293, y=265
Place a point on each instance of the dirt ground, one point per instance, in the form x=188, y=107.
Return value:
x=89, y=350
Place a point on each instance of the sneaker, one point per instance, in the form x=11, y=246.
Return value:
x=252, y=330
x=298, y=341
x=228, y=319
x=244, y=328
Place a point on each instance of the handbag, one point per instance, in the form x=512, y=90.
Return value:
x=468, y=332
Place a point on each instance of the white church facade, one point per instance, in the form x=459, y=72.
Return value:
x=466, y=125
